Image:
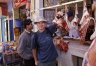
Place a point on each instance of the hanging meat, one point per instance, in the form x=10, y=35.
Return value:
x=90, y=55
x=28, y=3
x=60, y=44
x=62, y=28
x=94, y=8
x=62, y=25
x=66, y=16
x=85, y=22
x=61, y=31
x=76, y=13
x=94, y=5
x=59, y=15
x=74, y=25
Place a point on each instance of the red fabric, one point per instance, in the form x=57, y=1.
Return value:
x=18, y=3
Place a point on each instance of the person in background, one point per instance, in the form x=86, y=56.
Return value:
x=44, y=51
x=24, y=48
x=73, y=26
x=70, y=15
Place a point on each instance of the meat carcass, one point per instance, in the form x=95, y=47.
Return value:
x=93, y=36
x=90, y=55
x=66, y=16
x=94, y=5
x=63, y=53
x=59, y=15
x=60, y=44
x=73, y=32
x=85, y=21
x=76, y=13
x=62, y=30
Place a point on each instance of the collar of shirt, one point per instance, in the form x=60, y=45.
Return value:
x=27, y=31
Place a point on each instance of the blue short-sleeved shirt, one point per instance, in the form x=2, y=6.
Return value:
x=43, y=41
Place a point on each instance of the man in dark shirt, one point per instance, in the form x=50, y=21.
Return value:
x=24, y=48
x=44, y=51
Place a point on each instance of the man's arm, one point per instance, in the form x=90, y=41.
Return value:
x=34, y=52
x=53, y=28
x=34, y=48
x=21, y=46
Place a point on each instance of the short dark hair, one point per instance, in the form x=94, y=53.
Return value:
x=70, y=13
x=27, y=22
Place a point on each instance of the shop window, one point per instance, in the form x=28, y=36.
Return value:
x=50, y=2
x=49, y=15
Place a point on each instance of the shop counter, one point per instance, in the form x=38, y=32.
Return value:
x=77, y=48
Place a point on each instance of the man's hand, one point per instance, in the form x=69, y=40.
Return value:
x=36, y=63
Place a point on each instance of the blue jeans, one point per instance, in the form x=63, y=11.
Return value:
x=52, y=63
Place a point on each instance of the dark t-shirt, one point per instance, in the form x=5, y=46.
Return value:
x=43, y=41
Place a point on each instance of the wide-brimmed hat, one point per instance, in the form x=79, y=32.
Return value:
x=40, y=20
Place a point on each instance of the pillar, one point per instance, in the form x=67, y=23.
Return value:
x=38, y=5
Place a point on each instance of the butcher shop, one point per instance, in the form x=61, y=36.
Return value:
x=67, y=27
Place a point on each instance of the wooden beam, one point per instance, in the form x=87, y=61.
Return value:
x=67, y=3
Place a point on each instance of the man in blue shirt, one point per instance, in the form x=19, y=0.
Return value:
x=44, y=51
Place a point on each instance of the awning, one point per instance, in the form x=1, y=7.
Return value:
x=18, y=3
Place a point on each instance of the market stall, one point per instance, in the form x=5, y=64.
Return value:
x=77, y=46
